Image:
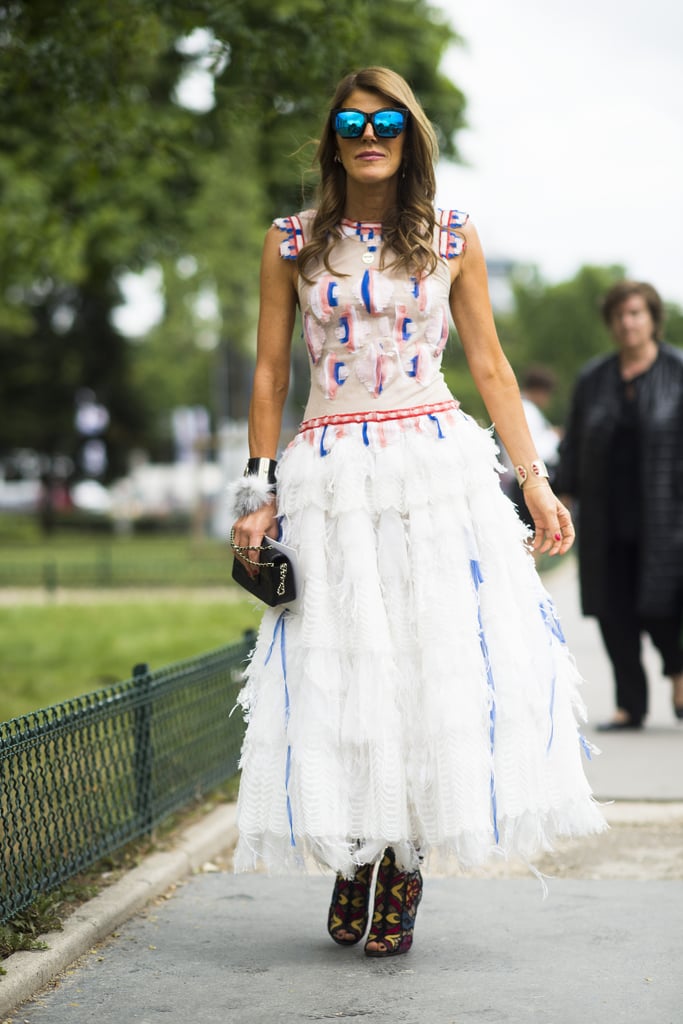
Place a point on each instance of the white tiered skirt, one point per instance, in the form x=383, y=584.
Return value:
x=419, y=693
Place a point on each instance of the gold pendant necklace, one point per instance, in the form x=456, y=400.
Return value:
x=369, y=234
x=371, y=238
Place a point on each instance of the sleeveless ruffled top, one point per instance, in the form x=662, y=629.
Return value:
x=375, y=337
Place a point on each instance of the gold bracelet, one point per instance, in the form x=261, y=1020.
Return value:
x=537, y=468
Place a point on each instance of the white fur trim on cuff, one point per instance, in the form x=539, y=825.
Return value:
x=248, y=494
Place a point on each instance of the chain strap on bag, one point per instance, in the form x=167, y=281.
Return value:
x=274, y=582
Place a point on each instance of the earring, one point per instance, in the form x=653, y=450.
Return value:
x=337, y=158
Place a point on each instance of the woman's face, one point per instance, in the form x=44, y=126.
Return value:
x=631, y=323
x=369, y=159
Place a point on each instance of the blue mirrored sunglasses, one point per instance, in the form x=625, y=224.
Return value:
x=387, y=123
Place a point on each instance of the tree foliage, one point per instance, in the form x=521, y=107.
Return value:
x=554, y=325
x=558, y=325
x=103, y=171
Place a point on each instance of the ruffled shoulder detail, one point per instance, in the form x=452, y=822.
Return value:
x=450, y=243
x=294, y=228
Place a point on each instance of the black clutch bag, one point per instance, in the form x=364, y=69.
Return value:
x=274, y=582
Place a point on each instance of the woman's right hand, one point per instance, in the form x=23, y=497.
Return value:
x=554, y=530
x=248, y=532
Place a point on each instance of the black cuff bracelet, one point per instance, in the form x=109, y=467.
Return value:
x=262, y=468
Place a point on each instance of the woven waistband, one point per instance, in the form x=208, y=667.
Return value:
x=379, y=416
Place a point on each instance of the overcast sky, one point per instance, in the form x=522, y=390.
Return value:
x=575, y=138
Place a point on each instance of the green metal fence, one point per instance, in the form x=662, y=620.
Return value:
x=81, y=779
x=105, y=570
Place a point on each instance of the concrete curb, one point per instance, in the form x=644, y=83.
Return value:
x=643, y=812
x=29, y=971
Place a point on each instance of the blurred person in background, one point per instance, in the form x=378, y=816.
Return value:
x=621, y=461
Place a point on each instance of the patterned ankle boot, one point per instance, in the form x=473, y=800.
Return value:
x=349, y=906
x=397, y=897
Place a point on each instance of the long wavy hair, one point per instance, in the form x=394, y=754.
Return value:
x=408, y=229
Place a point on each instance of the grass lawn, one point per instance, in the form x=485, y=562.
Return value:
x=82, y=559
x=53, y=652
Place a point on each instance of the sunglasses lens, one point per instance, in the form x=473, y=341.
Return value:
x=349, y=123
x=389, y=123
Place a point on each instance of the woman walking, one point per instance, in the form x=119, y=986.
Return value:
x=418, y=697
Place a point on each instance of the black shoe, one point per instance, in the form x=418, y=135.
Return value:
x=617, y=726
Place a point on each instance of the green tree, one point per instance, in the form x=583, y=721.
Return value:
x=95, y=169
x=673, y=325
x=558, y=325
x=102, y=171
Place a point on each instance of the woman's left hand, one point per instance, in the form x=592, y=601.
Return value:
x=553, y=527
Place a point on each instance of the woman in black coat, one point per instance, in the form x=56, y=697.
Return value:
x=622, y=461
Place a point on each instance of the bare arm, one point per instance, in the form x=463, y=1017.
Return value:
x=271, y=377
x=273, y=345
x=497, y=385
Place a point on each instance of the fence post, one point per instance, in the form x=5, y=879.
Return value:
x=103, y=568
x=143, y=747
x=50, y=576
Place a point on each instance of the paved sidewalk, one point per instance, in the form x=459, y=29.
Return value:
x=250, y=948
x=28, y=972
x=647, y=765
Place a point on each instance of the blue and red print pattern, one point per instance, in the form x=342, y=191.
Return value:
x=369, y=326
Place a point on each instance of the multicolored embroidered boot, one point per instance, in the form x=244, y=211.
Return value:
x=349, y=906
x=397, y=897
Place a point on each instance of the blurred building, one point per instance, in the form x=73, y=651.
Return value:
x=502, y=274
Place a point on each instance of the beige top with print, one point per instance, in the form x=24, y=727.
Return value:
x=375, y=337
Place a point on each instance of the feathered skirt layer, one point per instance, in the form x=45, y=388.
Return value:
x=419, y=693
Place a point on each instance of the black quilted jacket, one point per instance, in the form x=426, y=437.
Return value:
x=583, y=474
